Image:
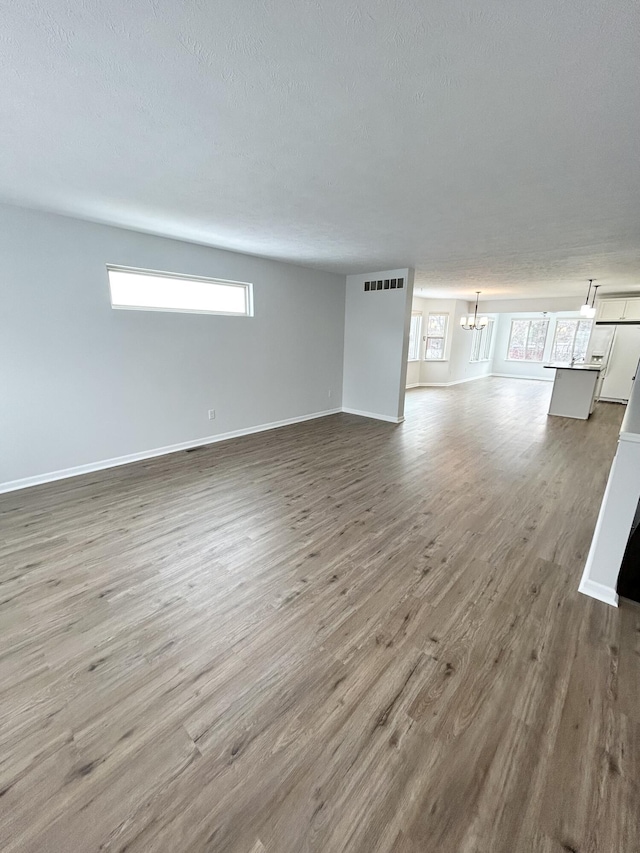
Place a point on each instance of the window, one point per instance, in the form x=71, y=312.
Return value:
x=527, y=340
x=414, y=336
x=148, y=290
x=571, y=340
x=481, y=343
x=436, y=337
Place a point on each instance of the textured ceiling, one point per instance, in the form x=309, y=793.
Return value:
x=492, y=145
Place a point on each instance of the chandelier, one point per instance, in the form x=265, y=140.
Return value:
x=470, y=323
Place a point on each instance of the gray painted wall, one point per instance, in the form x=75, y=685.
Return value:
x=375, y=345
x=81, y=383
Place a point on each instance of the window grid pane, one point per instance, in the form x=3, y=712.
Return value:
x=414, y=336
x=434, y=348
x=563, y=340
x=536, y=340
x=436, y=337
x=581, y=342
x=481, y=344
x=571, y=340
x=527, y=340
x=488, y=335
x=475, y=344
x=436, y=325
x=158, y=291
x=518, y=339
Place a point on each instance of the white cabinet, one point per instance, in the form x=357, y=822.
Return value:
x=632, y=309
x=611, y=309
x=574, y=390
x=618, y=309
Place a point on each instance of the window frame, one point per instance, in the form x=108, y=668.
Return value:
x=418, y=315
x=442, y=337
x=246, y=286
x=484, y=338
x=528, y=320
x=576, y=321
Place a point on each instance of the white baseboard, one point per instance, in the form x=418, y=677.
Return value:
x=447, y=384
x=517, y=376
x=414, y=385
x=373, y=415
x=78, y=470
x=598, y=590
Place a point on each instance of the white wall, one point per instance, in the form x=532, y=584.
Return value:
x=81, y=383
x=525, y=369
x=413, y=374
x=618, y=509
x=376, y=340
x=534, y=304
x=456, y=366
x=461, y=368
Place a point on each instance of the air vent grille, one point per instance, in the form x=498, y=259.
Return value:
x=384, y=284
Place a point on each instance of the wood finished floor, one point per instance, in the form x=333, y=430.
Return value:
x=338, y=636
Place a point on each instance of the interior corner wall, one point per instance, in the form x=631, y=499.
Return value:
x=81, y=383
x=376, y=341
x=462, y=369
x=456, y=365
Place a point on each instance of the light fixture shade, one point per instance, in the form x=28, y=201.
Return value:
x=590, y=313
x=471, y=322
x=585, y=310
x=484, y=321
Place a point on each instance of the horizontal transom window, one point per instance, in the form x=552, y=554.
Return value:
x=150, y=290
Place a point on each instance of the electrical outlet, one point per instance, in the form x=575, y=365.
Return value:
x=212, y=414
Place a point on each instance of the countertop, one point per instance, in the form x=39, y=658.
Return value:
x=565, y=366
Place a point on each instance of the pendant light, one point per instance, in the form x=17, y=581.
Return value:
x=470, y=323
x=591, y=311
x=585, y=310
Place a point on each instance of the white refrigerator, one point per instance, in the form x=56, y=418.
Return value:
x=622, y=363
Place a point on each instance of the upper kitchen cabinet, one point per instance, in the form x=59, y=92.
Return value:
x=632, y=309
x=611, y=310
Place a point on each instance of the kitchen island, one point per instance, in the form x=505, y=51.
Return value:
x=575, y=389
